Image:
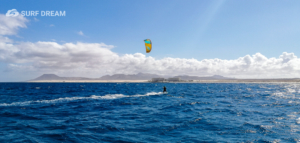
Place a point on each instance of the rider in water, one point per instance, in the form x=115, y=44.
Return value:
x=165, y=89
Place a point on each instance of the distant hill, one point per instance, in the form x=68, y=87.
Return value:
x=55, y=77
x=139, y=76
x=145, y=76
x=214, y=77
x=48, y=77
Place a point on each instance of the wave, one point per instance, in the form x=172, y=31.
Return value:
x=290, y=92
x=68, y=99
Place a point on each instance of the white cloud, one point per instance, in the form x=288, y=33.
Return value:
x=5, y=40
x=97, y=59
x=10, y=25
x=51, y=25
x=35, y=19
x=80, y=33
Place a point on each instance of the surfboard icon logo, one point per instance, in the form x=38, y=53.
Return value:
x=12, y=13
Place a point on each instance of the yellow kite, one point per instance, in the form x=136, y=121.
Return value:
x=148, y=45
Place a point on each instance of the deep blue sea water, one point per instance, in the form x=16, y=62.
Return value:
x=139, y=112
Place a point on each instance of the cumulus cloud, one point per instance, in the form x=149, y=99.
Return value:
x=10, y=25
x=5, y=39
x=97, y=59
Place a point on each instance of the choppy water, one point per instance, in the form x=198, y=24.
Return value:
x=139, y=112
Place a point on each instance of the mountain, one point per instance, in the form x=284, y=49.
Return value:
x=139, y=76
x=214, y=77
x=48, y=77
x=55, y=77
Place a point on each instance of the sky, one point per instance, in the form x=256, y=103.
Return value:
x=242, y=39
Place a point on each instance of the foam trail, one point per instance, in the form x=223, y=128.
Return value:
x=68, y=99
x=149, y=94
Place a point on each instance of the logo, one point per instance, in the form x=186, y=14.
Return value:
x=12, y=13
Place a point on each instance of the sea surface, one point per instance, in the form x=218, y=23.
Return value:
x=140, y=112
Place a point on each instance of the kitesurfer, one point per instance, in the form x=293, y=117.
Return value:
x=165, y=89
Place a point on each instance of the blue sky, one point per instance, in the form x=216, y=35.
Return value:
x=185, y=29
x=180, y=29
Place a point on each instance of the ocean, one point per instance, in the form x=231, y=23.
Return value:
x=139, y=112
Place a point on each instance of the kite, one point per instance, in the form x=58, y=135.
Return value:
x=148, y=45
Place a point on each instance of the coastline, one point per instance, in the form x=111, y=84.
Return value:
x=147, y=81
x=88, y=81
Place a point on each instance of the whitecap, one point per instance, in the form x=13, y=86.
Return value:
x=298, y=120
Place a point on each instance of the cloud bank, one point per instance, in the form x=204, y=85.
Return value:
x=97, y=59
